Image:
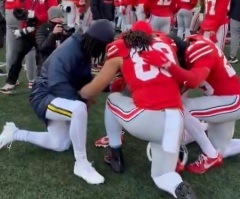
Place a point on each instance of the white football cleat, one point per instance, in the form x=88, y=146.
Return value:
x=7, y=135
x=87, y=172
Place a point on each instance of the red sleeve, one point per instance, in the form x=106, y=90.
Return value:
x=190, y=79
x=115, y=49
x=200, y=58
x=193, y=3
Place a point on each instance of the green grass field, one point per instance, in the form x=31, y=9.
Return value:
x=29, y=172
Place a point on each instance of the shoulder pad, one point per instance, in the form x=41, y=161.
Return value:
x=114, y=49
x=198, y=49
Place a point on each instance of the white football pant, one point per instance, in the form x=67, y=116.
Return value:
x=184, y=18
x=162, y=24
x=162, y=128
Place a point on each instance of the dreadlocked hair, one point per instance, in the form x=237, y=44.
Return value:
x=138, y=40
x=94, y=48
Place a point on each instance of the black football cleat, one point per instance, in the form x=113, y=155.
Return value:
x=184, y=191
x=115, y=160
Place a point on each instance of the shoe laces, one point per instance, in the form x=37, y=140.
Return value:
x=201, y=159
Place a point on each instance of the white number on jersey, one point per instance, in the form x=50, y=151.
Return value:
x=164, y=2
x=229, y=69
x=186, y=1
x=146, y=72
x=212, y=6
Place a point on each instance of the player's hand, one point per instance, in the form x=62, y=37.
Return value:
x=155, y=58
x=117, y=85
x=57, y=29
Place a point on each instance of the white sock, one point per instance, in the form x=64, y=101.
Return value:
x=168, y=182
x=113, y=128
x=187, y=138
x=232, y=149
x=78, y=134
x=194, y=128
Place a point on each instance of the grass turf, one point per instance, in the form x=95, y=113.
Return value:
x=29, y=172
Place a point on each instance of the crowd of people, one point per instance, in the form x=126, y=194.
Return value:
x=147, y=69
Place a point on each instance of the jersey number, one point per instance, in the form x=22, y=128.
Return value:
x=146, y=72
x=164, y=2
x=212, y=6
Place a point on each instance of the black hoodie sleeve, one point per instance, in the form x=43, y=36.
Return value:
x=45, y=40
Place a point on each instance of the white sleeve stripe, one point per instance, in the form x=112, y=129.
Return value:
x=199, y=51
x=200, y=55
x=109, y=53
x=112, y=47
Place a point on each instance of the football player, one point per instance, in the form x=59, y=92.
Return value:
x=215, y=23
x=161, y=12
x=184, y=16
x=147, y=111
x=207, y=68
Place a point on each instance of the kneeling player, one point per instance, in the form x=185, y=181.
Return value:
x=207, y=68
x=148, y=115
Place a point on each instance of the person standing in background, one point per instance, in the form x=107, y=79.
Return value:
x=102, y=9
x=25, y=41
x=234, y=15
x=184, y=16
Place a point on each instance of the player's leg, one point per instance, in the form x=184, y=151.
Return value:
x=235, y=39
x=221, y=36
x=187, y=17
x=220, y=112
x=154, y=22
x=214, y=109
x=31, y=67
x=121, y=112
x=195, y=21
x=180, y=22
x=165, y=24
x=75, y=114
x=140, y=13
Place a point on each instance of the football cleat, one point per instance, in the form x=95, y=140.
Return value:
x=88, y=173
x=7, y=135
x=104, y=142
x=115, y=160
x=184, y=191
x=204, y=163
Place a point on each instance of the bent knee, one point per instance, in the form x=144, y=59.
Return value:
x=80, y=109
x=61, y=146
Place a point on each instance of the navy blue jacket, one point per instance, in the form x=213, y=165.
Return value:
x=65, y=72
x=234, y=12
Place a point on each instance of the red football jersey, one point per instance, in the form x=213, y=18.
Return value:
x=152, y=88
x=187, y=4
x=216, y=12
x=222, y=79
x=162, y=8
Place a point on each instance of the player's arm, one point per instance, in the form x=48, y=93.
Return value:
x=189, y=78
x=102, y=80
